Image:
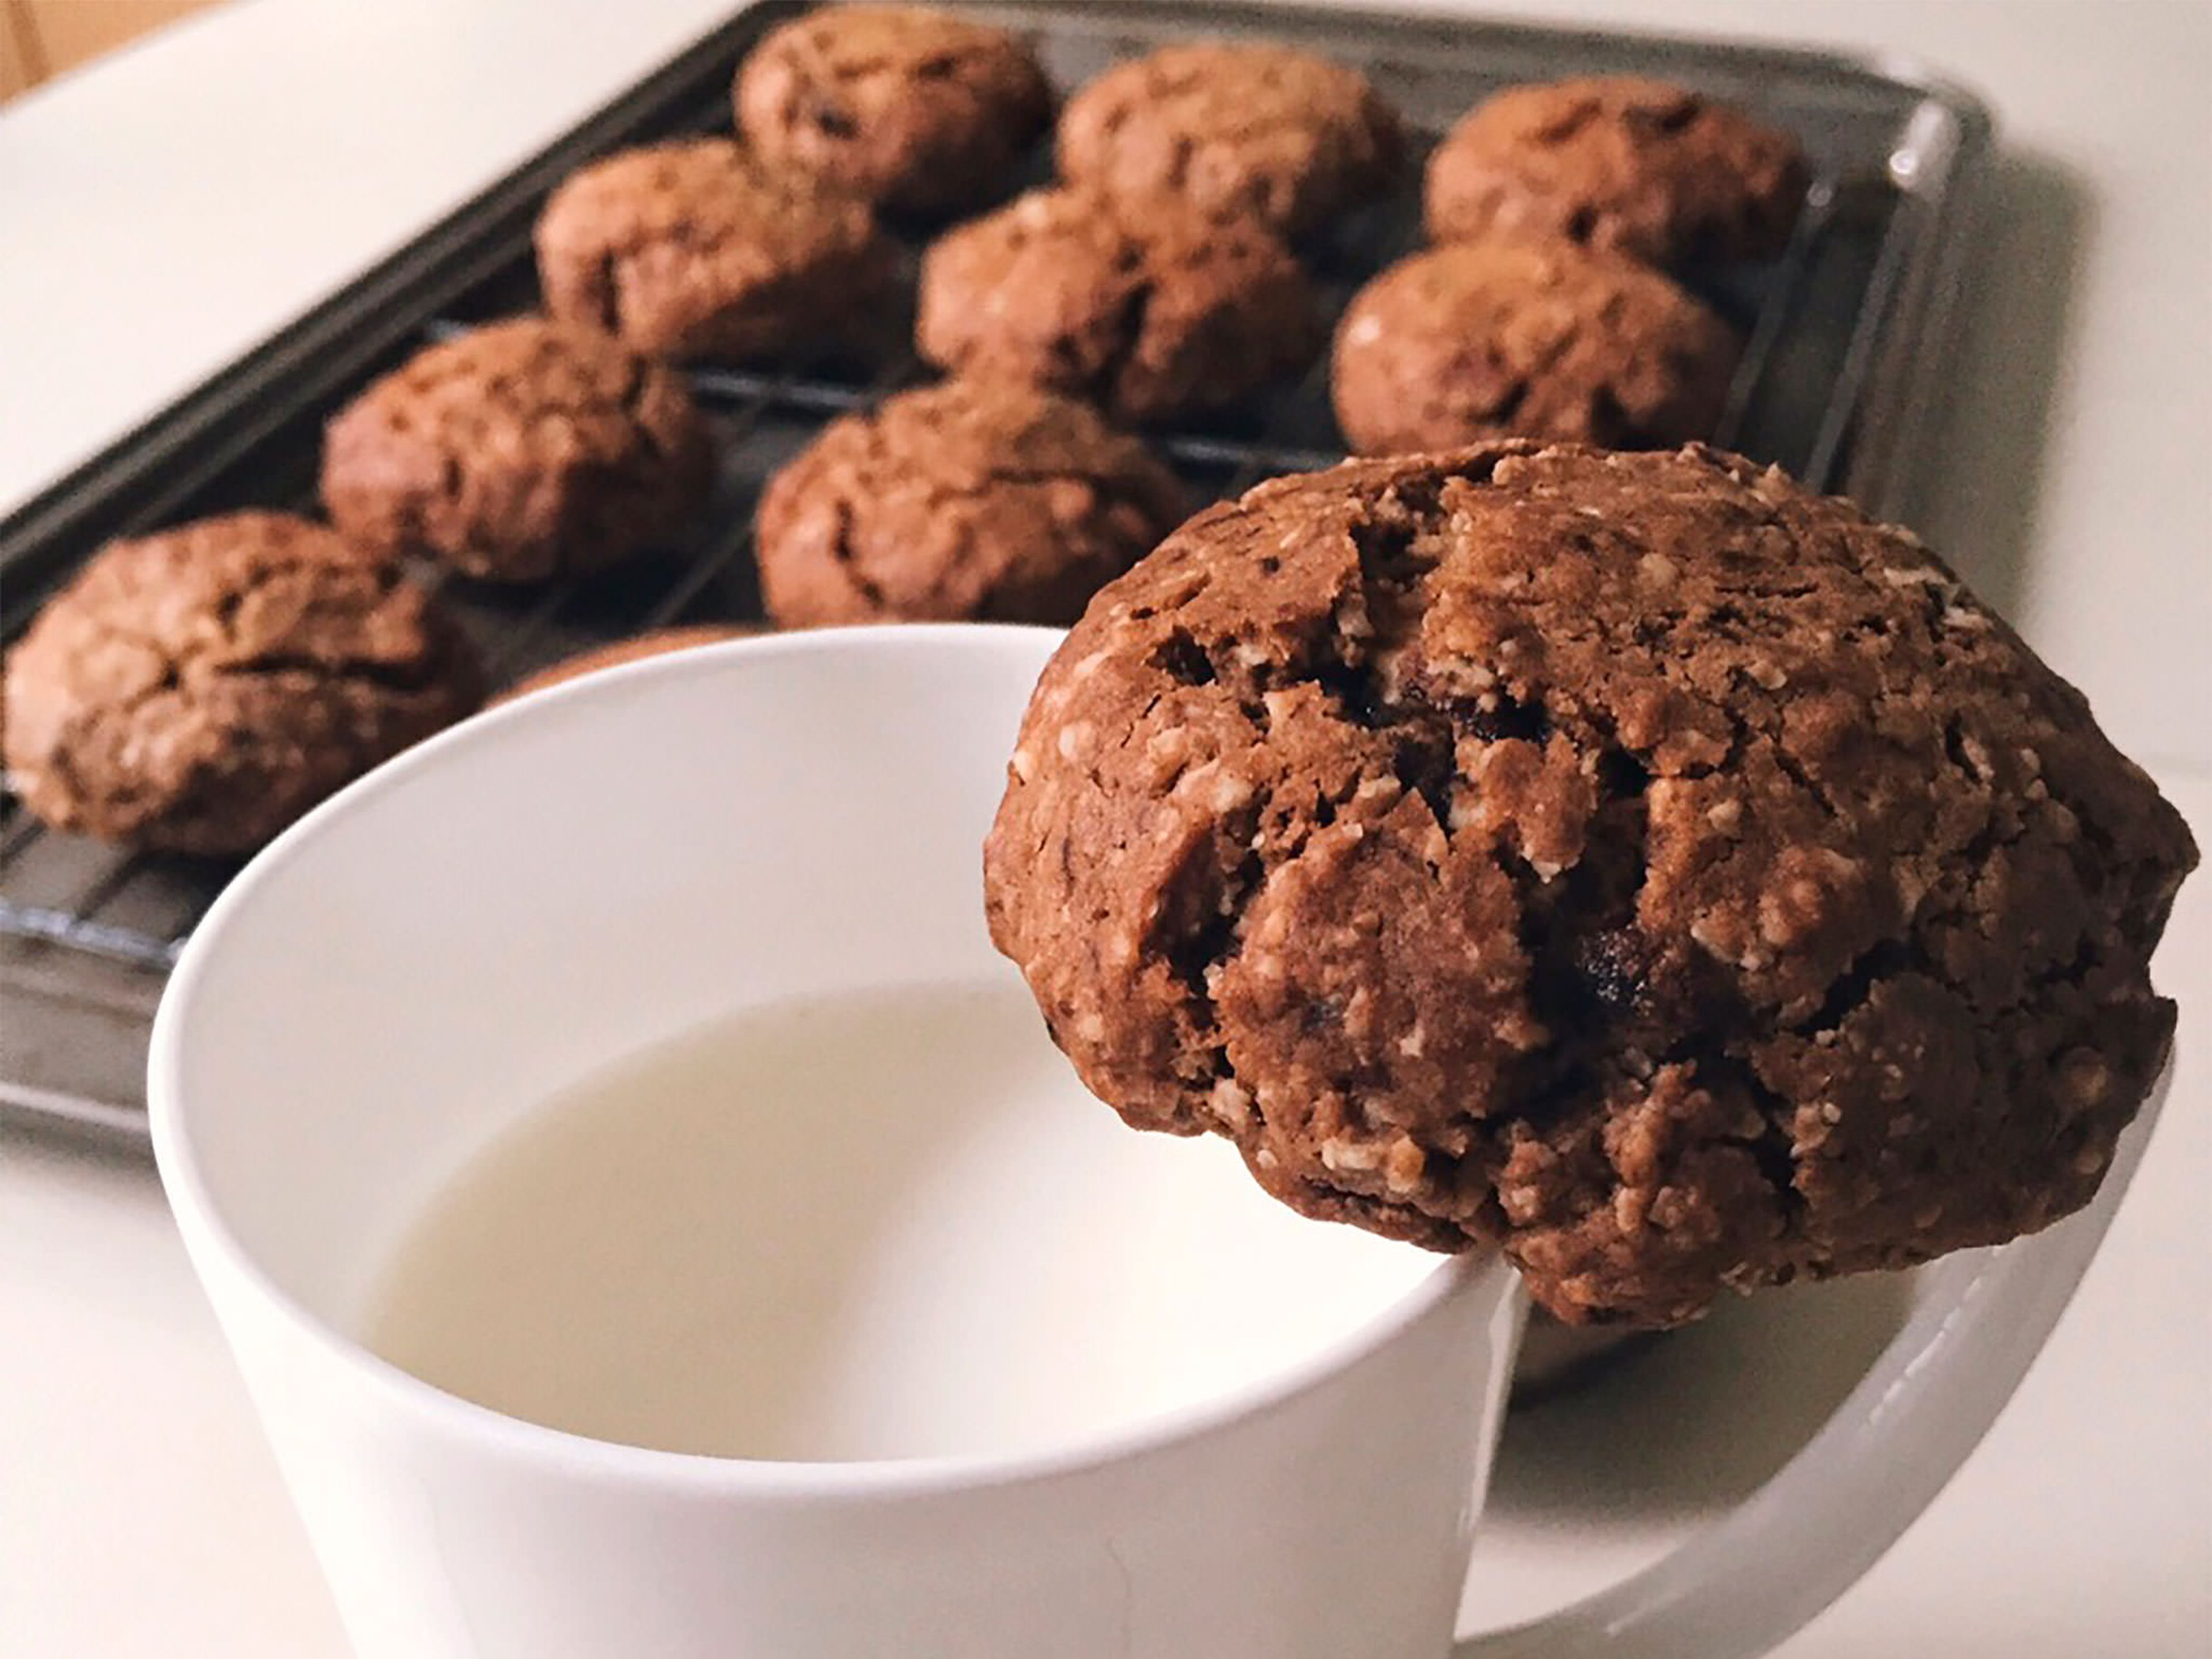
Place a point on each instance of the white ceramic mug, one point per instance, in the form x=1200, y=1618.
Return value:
x=592, y=869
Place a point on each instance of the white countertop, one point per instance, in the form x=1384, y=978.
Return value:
x=161, y=212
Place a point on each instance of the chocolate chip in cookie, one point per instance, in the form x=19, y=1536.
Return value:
x=1634, y=860
x=196, y=690
x=915, y=110
x=963, y=501
x=1148, y=308
x=1246, y=128
x=1622, y=163
x=519, y=451
x=1523, y=338
x=707, y=250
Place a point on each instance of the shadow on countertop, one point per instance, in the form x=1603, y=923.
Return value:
x=1697, y=1420
x=1978, y=499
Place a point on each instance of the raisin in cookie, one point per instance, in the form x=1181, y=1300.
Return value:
x=960, y=501
x=1639, y=167
x=654, y=642
x=198, y=690
x=517, y=451
x=915, y=110
x=1634, y=860
x=1149, y=309
x=706, y=249
x=1527, y=338
x=1283, y=136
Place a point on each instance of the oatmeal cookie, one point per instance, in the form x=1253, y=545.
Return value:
x=196, y=690
x=915, y=110
x=706, y=249
x=1245, y=127
x=517, y=451
x=1149, y=309
x=1621, y=162
x=960, y=501
x=1527, y=338
x=1633, y=861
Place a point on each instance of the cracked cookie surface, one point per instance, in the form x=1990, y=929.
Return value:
x=960, y=501
x=1633, y=860
x=518, y=451
x=1150, y=310
x=1527, y=338
x=198, y=690
x=1283, y=136
x=1620, y=162
x=914, y=109
x=704, y=250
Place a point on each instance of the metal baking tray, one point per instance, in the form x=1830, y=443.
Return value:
x=1845, y=331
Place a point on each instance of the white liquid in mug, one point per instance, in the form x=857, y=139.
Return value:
x=880, y=1225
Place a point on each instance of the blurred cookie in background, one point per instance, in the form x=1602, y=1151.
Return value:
x=521, y=451
x=1243, y=128
x=196, y=690
x=1530, y=338
x=915, y=110
x=1149, y=309
x=963, y=501
x=1622, y=163
x=705, y=249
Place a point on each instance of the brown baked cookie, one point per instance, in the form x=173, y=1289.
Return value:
x=1631, y=860
x=963, y=501
x=1235, y=128
x=198, y=690
x=703, y=249
x=1527, y=338
x=518, y=451
x=915, y=110
x=1634, y=166
x=1150, y=310
x=656, y=642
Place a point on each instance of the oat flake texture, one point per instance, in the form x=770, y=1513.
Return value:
x=1636, y=862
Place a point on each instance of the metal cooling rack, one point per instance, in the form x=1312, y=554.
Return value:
x=1844, y=331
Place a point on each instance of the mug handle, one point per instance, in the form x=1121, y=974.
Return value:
x=1742, y=1585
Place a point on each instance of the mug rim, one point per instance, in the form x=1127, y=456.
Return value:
x=216, y=1251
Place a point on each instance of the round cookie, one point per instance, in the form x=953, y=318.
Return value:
x=1631, y=860
x=198, y=690
x=1235, y=128
x=654, y=642
x=956, y=502
x=913, y=109
x=705, y=249
x=518, y=451
x=1149, y=309
x=1527, y=338
x=1635, y=166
